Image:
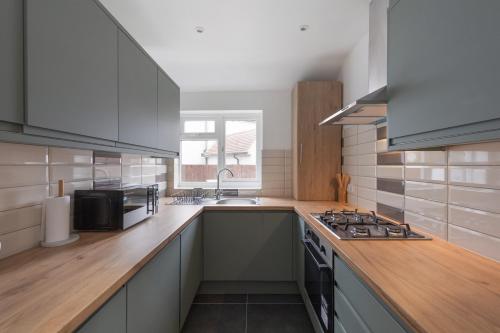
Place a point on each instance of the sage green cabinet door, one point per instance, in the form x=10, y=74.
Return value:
x=138, y=104
x=191, y=264
x=443, y=72
x=299, y=253
x=168, y=113
x=357, y=306
x=153, y=293
x=71, y=68
x=111, y=317
x=248, y=246
x=11, y=61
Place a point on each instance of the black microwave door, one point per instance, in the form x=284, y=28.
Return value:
x=94, y=211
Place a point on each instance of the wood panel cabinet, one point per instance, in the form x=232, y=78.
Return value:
x=248, y=246
x=443, y=72
x=111, y=317
x=71, y=68
x=138, y=104
x=168, y=113
x=316, y=150
x=191, y=265
x=153, y=293
x=11, y=61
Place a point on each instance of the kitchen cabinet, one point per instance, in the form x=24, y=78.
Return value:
x=11, y=61
x=357, y=308
x=191, y=265
x=299, y=253
x=316, y=150
x=248, y=246
x=71, y=68
x=168, y=113
x=111, y=317
x=138, y=85
x=153, y=293
x=443, y=72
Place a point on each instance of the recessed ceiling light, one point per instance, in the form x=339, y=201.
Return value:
x=304, y=27
x=199, y=30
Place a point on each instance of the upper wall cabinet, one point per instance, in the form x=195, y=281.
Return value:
x=11, y=61
x=168, y=113
x=138, y=85
x=72, y=68
x=443, y=72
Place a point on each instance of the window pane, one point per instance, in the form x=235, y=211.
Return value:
x=241, y=148
x=199, y=126
x=199, y=161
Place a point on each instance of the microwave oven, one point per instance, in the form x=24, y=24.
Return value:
x=114, y=209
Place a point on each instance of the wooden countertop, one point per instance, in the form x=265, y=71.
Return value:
x=433, y=285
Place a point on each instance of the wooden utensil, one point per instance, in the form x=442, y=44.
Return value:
x=343, y=181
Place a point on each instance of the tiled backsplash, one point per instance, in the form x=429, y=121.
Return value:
x=451, y=193
x=29, y=174
x=276, y=175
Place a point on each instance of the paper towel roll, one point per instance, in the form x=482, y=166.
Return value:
x=57, y=219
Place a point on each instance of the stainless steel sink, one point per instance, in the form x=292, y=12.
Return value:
x=237, y=201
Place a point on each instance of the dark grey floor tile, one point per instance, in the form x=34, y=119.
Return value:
x=278, y=318
x=216, y=318
x=275, y=299
x=220, y=299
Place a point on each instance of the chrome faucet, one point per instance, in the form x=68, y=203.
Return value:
x=218, y=190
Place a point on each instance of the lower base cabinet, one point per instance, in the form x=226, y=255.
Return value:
x=153, y=293
x=111, y=317
x=191, y=265
x=248, y=246
x=299, y=253
x=357, y=308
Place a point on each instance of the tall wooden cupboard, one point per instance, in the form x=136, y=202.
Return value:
x=316, y=150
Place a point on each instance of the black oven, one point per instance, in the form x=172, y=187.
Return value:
x=114, y=209
x=319, y=279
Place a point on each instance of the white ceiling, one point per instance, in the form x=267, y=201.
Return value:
x=247, y=45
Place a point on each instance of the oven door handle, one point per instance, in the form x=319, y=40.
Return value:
x=320, y=266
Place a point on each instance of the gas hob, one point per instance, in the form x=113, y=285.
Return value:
x=351, y=225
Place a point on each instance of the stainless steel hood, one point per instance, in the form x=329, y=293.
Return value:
x=371, y=108
x=367, y=110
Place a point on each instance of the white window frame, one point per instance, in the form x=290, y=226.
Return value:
x=219, y=135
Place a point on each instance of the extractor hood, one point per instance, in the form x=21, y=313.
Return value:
x=371, y=108
x=368, y=109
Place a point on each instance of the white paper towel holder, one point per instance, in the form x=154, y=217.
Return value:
x=73, y=237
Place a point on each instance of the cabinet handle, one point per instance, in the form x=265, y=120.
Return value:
x=301, y=150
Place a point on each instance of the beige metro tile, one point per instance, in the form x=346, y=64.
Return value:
x=432, y=226
x=17, y=154
x=425, y=157
x=431, y=209
x=477, y=220
x=431, y=174
x=21, y=218
x=476, y=198
x=70, y=156
x=487, y=153
x=23, y=175
x=429, y=191
x=475, y=241
x=479, y=176
x=18, y=241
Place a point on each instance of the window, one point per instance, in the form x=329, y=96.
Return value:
x=212, y=140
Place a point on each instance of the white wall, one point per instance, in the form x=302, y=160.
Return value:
x=276, y=107
x=354, y=71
